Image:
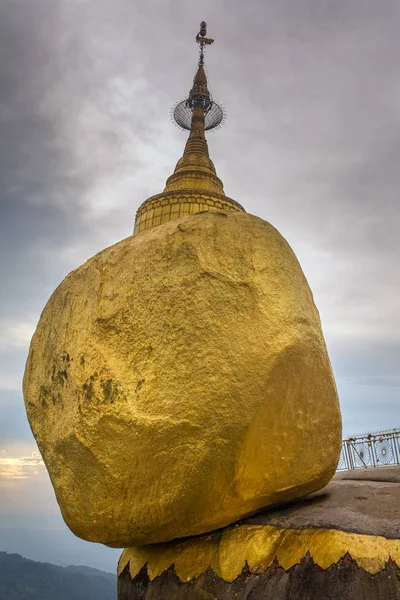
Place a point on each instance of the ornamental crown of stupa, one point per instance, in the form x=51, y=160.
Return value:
x=194, y=185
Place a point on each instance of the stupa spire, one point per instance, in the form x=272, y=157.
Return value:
x=195, y=170
x=194, y=185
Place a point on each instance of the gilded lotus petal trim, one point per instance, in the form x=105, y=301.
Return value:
x=227, y=552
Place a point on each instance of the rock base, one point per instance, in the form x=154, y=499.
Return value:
x=305, y=581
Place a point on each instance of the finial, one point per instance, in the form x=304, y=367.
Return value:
x=202, y=40
x=199, y=96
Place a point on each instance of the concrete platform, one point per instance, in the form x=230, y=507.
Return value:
x=363, y=501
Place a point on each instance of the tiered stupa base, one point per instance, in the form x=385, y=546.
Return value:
x=342, y=542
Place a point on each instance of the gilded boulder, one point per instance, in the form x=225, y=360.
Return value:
x=179, y=381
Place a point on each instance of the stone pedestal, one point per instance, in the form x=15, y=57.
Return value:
x=342, y=542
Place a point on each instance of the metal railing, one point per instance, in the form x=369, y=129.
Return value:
x=378, y=449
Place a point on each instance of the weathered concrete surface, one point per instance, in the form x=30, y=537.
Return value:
x=285, y=554
x=179, y=380
x=366, y=502
x=384, y=474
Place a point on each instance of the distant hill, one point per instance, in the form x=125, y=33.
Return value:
x=23, y=579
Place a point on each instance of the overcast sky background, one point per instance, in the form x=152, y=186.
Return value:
x=311, y=144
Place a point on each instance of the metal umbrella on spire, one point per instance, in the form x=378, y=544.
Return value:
x=199, y=95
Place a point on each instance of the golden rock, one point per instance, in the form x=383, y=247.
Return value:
x=179, y=381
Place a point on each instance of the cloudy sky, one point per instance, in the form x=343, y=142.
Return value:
x=311, y=144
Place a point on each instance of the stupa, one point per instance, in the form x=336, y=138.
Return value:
x=178, y=382
x=194, y=186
